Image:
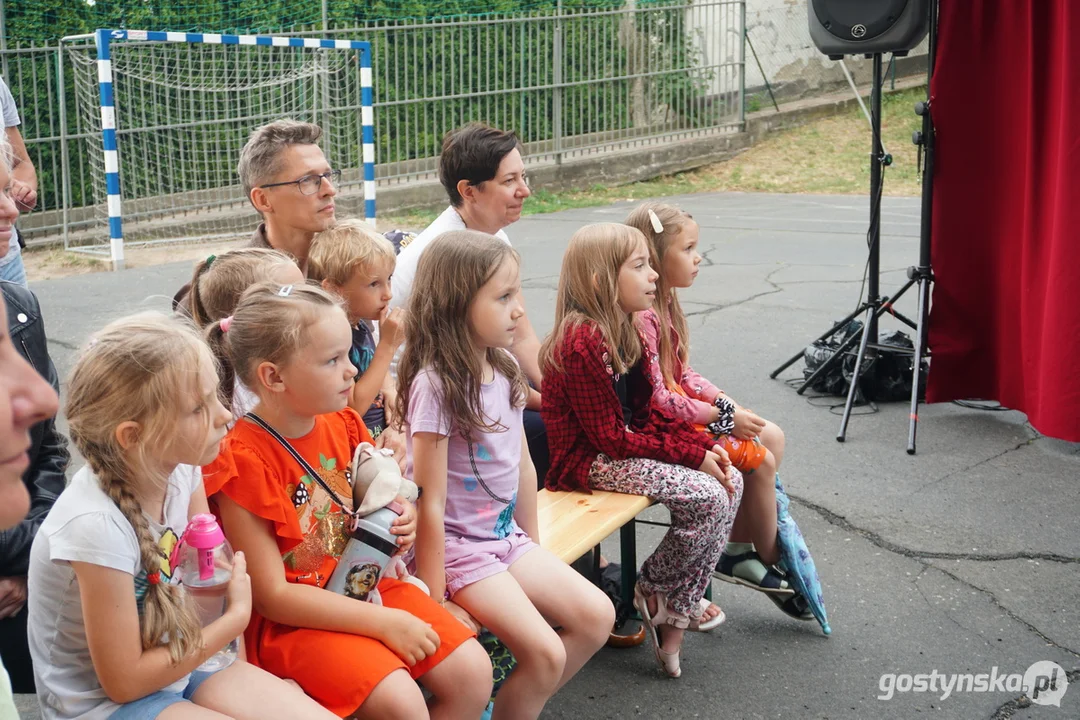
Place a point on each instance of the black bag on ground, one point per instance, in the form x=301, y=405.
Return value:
x=884, y=376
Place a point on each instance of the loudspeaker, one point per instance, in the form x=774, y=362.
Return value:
x=865, y=27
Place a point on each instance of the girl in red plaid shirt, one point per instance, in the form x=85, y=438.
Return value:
x=604, y=433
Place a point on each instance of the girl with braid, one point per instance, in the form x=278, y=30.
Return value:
x=112, y=634
x=461, y=394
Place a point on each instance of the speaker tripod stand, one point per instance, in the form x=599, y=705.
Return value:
x=875, y=305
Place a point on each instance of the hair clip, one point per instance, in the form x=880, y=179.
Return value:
x=285, y=291
x=209, y=260
x=225, y=323
x=657, y=226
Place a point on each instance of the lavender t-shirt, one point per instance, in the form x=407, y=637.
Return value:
x=482, y=475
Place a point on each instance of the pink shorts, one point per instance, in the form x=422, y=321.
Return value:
x=469, y=561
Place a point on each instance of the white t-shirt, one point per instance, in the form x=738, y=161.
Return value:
x=407, y=261
x=243, y=400
x=405, y=270
x=86, y=526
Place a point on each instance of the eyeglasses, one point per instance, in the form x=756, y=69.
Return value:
x=309, y=184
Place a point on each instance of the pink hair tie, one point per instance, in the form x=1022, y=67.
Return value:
x=225, y=324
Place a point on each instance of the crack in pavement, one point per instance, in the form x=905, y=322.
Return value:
x=540, y=278
x=1025, y=443
x=1023, y=702
x=723, y=306
x=923, y=557
x=925, y=568
x=874, y=538
x=993, y=598
x=62, y=343
x=707, y=261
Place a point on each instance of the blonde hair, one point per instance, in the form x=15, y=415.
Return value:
x=666, y=304
x=219, y=281
x=7, y=154
x=589, y=293
x=336, y=253
x=451, y=272
x=268, y=325
x=136, y=370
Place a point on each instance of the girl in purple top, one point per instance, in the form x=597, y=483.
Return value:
x=461, y=393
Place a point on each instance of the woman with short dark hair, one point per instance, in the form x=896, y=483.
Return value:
x=483, y=172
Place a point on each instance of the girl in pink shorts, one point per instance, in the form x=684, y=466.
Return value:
x=461, y=394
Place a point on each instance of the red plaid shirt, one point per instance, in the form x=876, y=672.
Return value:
x=583, y=416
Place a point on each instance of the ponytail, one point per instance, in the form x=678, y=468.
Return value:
x=215, y=337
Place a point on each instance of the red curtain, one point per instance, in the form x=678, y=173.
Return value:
x=1005, y=318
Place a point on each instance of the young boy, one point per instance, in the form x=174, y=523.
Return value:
x=356, y=263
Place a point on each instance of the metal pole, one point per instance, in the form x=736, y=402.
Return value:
x=324, y=83
x=65, y=160
x=746, y=39
x=367, y=118
x=876, y=158
x=870, y=327
x=924, y=274
x=557, y=98
x=858, y=98
x=3, y=41
x=112, y=157
x=742, y=65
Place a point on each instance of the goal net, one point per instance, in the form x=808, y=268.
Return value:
x=162, y=117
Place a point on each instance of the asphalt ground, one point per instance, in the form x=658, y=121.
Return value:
x=962, y=559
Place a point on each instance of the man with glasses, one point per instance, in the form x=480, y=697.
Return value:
x=288, y=180
x=290, y=183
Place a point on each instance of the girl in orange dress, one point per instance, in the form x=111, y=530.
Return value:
x=282, y=487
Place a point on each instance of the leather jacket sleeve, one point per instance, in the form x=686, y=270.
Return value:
x=48, y=450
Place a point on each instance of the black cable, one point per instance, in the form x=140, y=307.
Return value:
x=870, y=407
x=869, y=247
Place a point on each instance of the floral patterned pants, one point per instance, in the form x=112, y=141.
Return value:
x=702, y=513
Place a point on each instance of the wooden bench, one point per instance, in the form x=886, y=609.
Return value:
x=573, y=523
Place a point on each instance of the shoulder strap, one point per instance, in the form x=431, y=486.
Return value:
x=297, y=457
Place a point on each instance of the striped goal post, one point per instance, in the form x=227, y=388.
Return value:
x=104, y=39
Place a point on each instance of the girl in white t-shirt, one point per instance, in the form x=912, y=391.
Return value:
x=112, y=635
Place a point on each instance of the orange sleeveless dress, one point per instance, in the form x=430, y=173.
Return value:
x=337, y=669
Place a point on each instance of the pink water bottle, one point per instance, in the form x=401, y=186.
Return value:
x=205, y=567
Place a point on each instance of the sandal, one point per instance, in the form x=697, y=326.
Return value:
x=669, y=662
x=739, y=569
x=794, y=606
x=698, y=623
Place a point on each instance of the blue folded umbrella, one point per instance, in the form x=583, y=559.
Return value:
x=795, y=559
